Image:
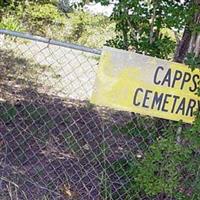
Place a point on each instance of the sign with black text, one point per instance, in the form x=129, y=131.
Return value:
x=146, y=85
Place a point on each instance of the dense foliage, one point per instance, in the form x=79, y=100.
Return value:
x=45, y=18
x=140, y=25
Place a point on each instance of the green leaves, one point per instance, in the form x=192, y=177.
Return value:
x=11, y=23
x=46, y=12
x=139, y=24
x=193, y=61
x=159, y=171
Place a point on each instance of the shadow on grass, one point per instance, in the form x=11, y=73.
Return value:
x=50, y=145
x=61, y=148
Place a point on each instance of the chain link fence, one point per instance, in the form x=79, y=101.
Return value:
x=54, y=144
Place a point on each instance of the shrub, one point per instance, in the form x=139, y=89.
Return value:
x=47, y=13
x=160, y=170
x=89, y=30
x=45, y=19
x=11, y=23
x=167, y=169
x=37, y=18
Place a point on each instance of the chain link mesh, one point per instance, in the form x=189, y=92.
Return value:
x=53, y=143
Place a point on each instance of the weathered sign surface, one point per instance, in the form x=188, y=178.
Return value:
x=146, y=85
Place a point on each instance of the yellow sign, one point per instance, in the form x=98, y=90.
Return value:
x=146, y=85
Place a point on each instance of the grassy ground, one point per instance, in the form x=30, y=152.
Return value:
x=52, y=146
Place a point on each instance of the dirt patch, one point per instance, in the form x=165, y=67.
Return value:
x=53, y=146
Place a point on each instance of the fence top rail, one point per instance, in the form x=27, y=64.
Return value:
x=50, y=41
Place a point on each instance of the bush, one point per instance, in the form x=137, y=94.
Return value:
x=160, y=170
x=37, y=18
x=167, y=169
x=11, y=23
x=89, y=30
x=45, y=19
x=47, y=13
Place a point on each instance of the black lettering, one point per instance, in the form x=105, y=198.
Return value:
x=167, y=78
x=165, y=101
x=186, y=78
x=135, y=96
x=157, y=100
x=156, y=74
x=175, y=100
x=195, y=83
x=146, y=97
x=181, y=107
x=190, y=108
x=177, y=76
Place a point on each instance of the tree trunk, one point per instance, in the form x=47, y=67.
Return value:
x=190, y=42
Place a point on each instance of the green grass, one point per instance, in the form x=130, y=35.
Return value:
x=71, y=142
x=132, y=130
x=7, y=112
x=35, y=113
x=106, y=191
x=50, y=124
